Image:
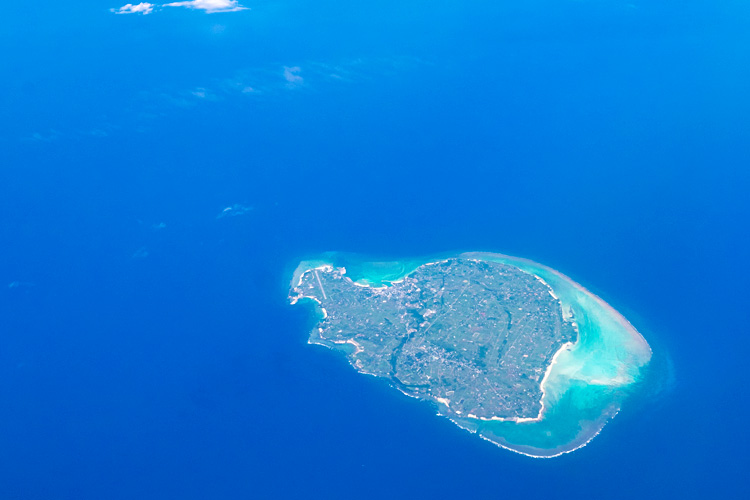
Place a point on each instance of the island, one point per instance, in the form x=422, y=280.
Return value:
x=504, y=347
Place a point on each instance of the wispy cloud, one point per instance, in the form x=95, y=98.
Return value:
x=51, y=135
x=204, y=93
x=292, y=76
x=271, y=81
x=209, y=6
x=141, y=8
x=301, y=78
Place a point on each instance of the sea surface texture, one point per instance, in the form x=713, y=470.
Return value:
x=164, y=167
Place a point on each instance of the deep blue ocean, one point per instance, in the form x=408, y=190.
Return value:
x=147, y=349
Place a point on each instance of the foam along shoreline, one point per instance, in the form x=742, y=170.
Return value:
x=585, y=382
x=542, y=385
x=589, y=380
x=583, y=438
x=568, y=291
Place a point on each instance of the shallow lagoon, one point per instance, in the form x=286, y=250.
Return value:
x=585, y=385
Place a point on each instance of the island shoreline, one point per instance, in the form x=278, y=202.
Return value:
x=587, y=432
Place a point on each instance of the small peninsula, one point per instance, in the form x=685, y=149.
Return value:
x=504, y=347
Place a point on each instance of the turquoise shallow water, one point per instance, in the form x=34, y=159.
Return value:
x=583, y=388
x=148, y=350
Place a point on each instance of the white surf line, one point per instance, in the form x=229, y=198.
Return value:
x=321, y=284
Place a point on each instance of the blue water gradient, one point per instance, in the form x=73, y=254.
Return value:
x=146, y=346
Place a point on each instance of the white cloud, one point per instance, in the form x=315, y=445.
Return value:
x=209, y=6
x=199, y=92
x=52, y=135
x=141, y=8
x=204, y=93
x=291, y=75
